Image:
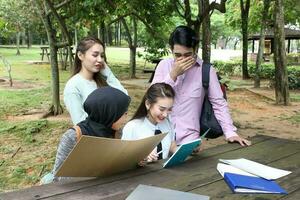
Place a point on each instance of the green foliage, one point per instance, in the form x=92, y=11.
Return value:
x=268, y=71
x=233, y=14
x=155, y=49
x=293, y=58
x=228, y=68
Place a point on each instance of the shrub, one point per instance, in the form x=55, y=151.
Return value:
x=231, y=68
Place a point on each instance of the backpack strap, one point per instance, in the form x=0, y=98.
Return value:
x=205, y=76
x=78, y=132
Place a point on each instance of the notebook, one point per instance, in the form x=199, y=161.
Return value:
x=142, y=193
x=182, y=152
x=241, y=181
x=250, y=184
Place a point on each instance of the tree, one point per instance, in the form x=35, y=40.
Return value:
x=259, y=58
x=48, y=13
x=206, y=35
x=281, y=78
x=221, y=32
x=15, y=14
x=245, y=6
x=132, y=43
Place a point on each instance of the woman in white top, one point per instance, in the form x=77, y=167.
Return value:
x=90, y=73
x=152, y=115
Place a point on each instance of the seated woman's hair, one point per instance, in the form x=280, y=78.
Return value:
x=154, y=91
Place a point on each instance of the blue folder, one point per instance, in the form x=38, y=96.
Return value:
x=249, y=184
x=182, y=152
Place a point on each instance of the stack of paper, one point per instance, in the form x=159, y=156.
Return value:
x=246, y=176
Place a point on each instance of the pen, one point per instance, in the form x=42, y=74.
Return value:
x=160, y=152
x=205, y=133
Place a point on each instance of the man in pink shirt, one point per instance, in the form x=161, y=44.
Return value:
x=184, y=74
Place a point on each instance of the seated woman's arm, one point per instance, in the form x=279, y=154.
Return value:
x=66, y=145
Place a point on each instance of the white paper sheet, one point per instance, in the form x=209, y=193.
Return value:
x=223, y=168
x=264, y=171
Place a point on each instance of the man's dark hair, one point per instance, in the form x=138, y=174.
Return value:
x=185, y=36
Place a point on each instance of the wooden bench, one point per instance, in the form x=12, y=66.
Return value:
x=152, y=71
x=197, y=175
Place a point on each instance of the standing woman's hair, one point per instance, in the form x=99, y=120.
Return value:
x=84, y=45
x=185, y=36
x=155, y=91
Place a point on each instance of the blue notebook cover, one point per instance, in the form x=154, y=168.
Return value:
x=249, y=184
x=182, y=152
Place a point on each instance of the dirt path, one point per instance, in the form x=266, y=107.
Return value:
x=255, y=112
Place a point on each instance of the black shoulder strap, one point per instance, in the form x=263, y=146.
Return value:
x=205, y=75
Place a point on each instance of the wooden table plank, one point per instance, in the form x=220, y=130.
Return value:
x=199, y=172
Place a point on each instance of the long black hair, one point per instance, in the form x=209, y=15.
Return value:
x=84, y=45
x=185, y=36
x=154, y=91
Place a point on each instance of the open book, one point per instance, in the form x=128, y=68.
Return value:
x=182, y=152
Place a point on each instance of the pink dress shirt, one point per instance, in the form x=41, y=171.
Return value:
x=189, y=99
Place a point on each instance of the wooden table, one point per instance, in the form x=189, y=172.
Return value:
x=197, y=175
x=44, y=52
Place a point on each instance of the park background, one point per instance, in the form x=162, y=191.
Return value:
x=32, y=114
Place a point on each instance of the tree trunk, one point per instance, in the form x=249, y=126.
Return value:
x=23, y=36
x=18, y=36
x=109, y=35
x=132, y=42
x=75, y=38
x=28, y=38
x=261, y=44
x=244, y=16
x=55, y=108
x=206, y=35
x=102, y=31
x=119, y=34
x=64, y=30
x=281, y=76
x=235, y=44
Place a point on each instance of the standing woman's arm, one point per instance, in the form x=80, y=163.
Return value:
x=112, y=80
